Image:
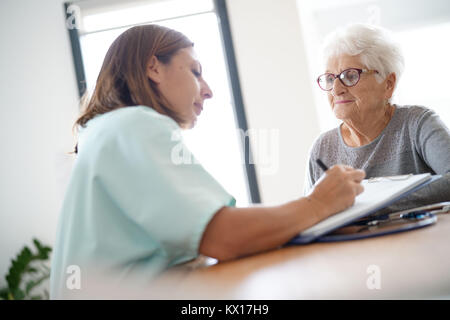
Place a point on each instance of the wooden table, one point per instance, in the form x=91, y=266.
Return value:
x=410, y=265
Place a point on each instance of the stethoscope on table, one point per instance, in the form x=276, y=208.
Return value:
x=416, y=213
x=382, y=224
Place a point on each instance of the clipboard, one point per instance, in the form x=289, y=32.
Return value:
x=379, y=193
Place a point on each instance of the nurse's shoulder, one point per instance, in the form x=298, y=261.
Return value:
x=129, y=122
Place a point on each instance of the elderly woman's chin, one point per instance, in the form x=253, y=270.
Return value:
x=342, y=111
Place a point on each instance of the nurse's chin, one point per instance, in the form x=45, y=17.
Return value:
x=192, y=123
x=189, y=121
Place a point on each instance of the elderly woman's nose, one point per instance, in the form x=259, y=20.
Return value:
x=338, y=87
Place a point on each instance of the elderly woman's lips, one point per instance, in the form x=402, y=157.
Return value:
x=343, y=101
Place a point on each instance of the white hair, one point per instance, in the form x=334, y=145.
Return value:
x=375, y=46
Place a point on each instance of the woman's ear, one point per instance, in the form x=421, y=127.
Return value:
x=154, y=70
x=391, y=80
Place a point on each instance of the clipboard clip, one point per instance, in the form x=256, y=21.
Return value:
x=390, y=178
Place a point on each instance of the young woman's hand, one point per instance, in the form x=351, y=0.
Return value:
x=336, y=190
x=235, y=232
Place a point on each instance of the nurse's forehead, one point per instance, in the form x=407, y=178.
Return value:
x=187, y=53
x=185, y=56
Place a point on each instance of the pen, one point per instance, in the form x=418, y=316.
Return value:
x=322, y=165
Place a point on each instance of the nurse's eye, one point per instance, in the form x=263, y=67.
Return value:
x=196, y=73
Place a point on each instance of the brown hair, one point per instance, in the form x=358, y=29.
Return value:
x=122, y=81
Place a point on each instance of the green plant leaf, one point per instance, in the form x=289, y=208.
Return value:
x=37, y=243
x=31, y=270
x=18, y=266
x=18, y=294
x=4, y=293
x=31, y=284
x=43, y=252
x=21, y=266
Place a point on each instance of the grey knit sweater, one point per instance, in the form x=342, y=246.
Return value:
x=415, y=141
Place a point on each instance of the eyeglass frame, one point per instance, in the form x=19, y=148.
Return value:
x=338, y=76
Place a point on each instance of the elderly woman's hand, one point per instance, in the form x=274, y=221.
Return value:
x=336, y=190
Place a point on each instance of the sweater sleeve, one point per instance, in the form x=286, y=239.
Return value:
x=433, y=142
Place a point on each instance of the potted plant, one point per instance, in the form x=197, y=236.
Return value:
x=26, y=273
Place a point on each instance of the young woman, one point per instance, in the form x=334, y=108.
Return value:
x=130, y=209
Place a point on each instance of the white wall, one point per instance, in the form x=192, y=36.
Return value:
x=276, y=88
x=37, y=108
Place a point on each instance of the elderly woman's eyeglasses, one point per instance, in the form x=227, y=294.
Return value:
x=349, y=78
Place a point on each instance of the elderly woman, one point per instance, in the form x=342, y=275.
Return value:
x=363, y=66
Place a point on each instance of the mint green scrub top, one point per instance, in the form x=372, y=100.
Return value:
x=137, y=202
